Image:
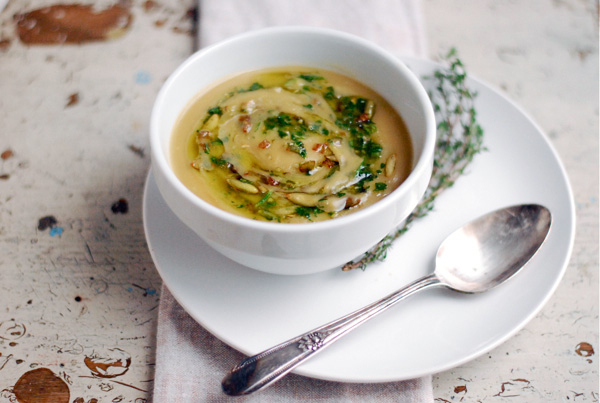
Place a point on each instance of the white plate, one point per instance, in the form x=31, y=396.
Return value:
x=428, y=333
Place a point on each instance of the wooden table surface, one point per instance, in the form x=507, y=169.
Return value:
x=78, y=290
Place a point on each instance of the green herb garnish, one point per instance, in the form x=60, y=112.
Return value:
x=253, y=87
x=308, y=212
x=459, y=140
x=215, y=111
x=297, y=145
x=265, y=199
x=311, y=77
x=352, y=117
x=380, y=186
x=280, y=121
x=329, y=94
x=218, y=161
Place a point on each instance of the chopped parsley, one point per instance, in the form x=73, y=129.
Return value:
x=329, y=94
x=281, y=120
x=380, y=186
x=352, y=122
x=364, y=175
x=292, y=126
x=218, y=161
x=308, y=212
x=215, y=111
x=373, y=149
x=297, y=145
x=311, y=77
x=253, y=87
x=352, y=116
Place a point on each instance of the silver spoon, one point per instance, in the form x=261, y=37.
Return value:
x=481, y=255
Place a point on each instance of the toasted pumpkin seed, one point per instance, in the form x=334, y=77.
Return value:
x=370, y=109
x=390, y=165
x=211, y=123
x=242, y=186
x=307, y=166
x=332, y=204
x=304, y=199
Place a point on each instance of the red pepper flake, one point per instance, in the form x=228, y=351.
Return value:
x=328, y=163
x=351, y=202
x=460, y=389
x=246, y=123
x=363, y=118
x=264, y=144
x=320, y=147
x=271, y=181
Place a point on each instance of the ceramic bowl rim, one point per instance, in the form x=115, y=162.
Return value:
x=423, y=161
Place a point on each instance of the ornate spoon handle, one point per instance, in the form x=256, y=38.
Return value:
x=261, y=370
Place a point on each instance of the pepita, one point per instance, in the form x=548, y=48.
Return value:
x=370, y=109
x=242, y=186
x=390, y=165
x=332, y=204
x=211, y=123
x=304, y=199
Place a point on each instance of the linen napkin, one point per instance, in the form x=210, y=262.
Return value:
x=190, y=362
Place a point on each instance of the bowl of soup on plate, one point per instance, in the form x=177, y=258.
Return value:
x=292, y=150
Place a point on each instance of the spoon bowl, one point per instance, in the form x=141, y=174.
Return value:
x=489, y=250
x=475, y=258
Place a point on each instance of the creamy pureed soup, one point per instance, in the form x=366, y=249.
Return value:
x=290, y=145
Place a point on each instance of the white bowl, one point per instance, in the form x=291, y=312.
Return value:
x=295, y=248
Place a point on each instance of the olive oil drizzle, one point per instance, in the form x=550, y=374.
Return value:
x=353, y=118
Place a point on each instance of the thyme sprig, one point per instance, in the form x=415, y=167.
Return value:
x=459, y=139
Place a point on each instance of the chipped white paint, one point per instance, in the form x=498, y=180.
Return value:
x=543, y=55
x=87, y=295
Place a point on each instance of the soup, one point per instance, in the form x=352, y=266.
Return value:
x=290, y=145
